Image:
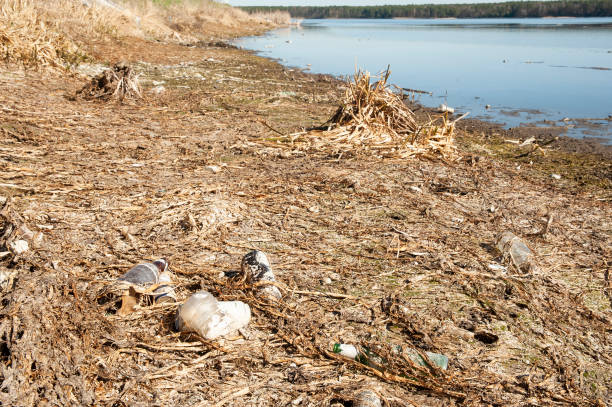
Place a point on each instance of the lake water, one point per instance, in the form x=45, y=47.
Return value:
x=533, y=72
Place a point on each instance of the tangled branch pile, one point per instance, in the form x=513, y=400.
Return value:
x=119, y=82
x=373, y=118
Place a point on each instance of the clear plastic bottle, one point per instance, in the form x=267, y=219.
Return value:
x=256, y=268
x=367, y=398
x=165, y=292
x=203, y=314
x=512, y=246
x=371, y=359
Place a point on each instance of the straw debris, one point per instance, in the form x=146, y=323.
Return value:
x=407, y=247
x=372, y=118
x=27, y=39
x=119, y=82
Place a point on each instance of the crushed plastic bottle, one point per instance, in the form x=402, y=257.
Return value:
x=19, y=247
x=256, y=267
x=209, y=318
x=371, y=359
x=165, y=292
x=367, y=398
x=443, y=108
x=512, y=246
x=145, y=273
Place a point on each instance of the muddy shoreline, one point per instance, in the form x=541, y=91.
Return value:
x=521, y=133
x=367, y=251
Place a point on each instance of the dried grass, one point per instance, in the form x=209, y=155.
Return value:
x=30, y=38
x=374, y=119
x=274, y=17
x=57, y=34
x=195, y=17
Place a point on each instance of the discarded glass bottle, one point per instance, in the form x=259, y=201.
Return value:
x=256, y=268
x=209, y=318
x=513, y=247
x=371, y=359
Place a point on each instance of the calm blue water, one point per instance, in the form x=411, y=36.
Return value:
x=527, y=70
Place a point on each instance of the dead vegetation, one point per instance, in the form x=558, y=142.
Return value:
x=59, y=34
x=117, y=83
x=31, y=40
x=198, y=17
x=373, y=119
x=373, y=252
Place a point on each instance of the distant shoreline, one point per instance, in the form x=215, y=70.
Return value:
x=524, y=9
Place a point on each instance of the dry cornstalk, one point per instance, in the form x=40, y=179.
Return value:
x=373, y=118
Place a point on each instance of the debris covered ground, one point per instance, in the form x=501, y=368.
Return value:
x=368, y=251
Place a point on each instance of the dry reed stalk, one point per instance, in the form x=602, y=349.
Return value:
x=373, y=118
x=28, y=38
x=56, y=34
x=194, y=17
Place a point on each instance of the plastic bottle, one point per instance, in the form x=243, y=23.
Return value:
x=511, y=245
x=441, y=361
x=371, y=359
x=256, y=267
x=238, y=313
x=367, y=398
x=165, y=292
x=145, y=273
x=203, y=314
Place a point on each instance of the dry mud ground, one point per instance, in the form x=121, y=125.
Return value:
x=368, y=251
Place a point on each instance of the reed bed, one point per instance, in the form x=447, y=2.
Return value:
x=30, y=39
x=373, y=118
x=58, y=34
x=202, y=17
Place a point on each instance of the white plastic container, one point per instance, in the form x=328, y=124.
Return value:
x=443, y=108
x=256, y=267
x=346, y=350
x=238, y=313
x=209, y=318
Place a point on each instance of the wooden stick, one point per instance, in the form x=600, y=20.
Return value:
x=270, y=127
x=331, y=295
x=232, y=395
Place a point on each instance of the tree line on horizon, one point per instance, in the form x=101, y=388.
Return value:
x=514, y=9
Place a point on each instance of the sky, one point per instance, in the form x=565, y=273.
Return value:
x=346, y=2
